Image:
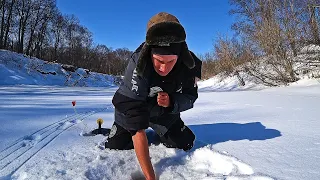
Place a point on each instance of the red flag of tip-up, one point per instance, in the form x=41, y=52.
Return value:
x=73, y=103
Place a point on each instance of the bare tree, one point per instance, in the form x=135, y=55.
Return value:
x=230, y=55
x=314, y=24
x=210, y=66
x=288, y=16
x=122, y=56
x=3, y=15
x=37, y=28
x=8, y=24
x=270, y=26
x=36, y=16
x=24, y=8
x=42, y=33
x=58, y=25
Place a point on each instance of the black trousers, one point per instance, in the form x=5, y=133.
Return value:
x=177, y=135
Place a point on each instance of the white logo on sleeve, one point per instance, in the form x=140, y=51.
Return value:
x=134, y=82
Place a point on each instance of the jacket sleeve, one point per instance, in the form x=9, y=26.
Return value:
x=131, y=108
x=185, y=100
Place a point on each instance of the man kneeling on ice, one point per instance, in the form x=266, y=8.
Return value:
x=159, y=83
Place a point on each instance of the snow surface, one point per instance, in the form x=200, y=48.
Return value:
x=250, y=132
x=311, y=49
x=230, y=83
x=17, y=69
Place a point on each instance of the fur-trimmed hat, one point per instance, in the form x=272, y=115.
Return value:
x=164, y=29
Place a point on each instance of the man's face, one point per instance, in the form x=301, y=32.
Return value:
x=163, y=64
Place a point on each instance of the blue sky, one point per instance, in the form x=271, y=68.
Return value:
x=122, y=23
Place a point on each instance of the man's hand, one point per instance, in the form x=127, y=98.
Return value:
x=163, y=99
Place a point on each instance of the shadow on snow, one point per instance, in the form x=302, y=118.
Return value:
x=222, y=132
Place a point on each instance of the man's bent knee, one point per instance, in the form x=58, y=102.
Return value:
x=179, y=136
x=189, y=137
x=119, y=138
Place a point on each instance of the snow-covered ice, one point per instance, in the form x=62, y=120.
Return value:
x=249, y=132
x=265, y=134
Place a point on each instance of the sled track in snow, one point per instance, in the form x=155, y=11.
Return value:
x=15, y=155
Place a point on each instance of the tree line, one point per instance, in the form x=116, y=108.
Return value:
x=37, y=28
x=268, y=37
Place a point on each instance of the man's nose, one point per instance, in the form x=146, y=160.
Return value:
x=162, y=67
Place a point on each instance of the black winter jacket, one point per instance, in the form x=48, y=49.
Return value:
x=136, y=99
